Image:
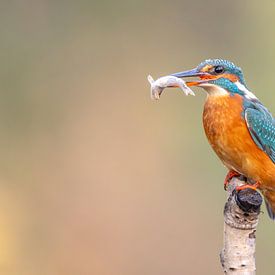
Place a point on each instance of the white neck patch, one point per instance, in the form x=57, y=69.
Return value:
x=212, y=89
x=247, y=93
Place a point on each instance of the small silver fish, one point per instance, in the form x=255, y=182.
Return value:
x=157, y=86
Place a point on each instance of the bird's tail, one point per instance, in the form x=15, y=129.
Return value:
x=270, y=203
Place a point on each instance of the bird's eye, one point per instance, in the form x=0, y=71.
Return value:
x=219, y=69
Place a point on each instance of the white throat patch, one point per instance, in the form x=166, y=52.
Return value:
x=212, y=89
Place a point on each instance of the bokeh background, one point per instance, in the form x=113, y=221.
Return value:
x=97, y=179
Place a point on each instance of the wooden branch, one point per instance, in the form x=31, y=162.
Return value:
x=241, y=215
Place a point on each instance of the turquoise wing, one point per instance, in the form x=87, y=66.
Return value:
x=261, y=126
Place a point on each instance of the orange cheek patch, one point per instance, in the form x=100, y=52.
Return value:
x=205, y=77
x=231, y=77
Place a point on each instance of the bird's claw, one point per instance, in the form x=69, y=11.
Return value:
x=230, y=175
x=250, y=186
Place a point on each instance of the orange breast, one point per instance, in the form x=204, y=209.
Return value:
x=227, y=133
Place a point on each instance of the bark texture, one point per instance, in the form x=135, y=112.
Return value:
x=241, y=215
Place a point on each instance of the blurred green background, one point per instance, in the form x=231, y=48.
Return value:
x=97, y=179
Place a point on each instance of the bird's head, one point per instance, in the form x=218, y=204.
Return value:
x=218, y=77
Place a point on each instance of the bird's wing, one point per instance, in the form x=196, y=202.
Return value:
x=261, y=126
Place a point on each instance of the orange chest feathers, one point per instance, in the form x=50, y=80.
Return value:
x=229, y=136
x=221, y=117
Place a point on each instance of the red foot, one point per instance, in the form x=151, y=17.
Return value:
x=230, y=175
x=251, y=186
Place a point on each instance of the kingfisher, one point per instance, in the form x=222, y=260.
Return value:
x=238, y=126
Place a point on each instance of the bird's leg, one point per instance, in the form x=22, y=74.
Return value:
x=230, y=175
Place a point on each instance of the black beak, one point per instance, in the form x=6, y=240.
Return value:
x=190, y=73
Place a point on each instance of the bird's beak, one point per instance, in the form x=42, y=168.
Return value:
x=204, y=76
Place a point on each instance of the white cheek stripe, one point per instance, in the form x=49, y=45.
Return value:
x=247, y=93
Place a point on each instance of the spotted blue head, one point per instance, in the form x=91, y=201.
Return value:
x=218, y=77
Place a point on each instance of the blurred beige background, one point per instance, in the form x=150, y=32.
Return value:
x=97, y=179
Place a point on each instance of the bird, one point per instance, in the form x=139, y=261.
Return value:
x=239, y=128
